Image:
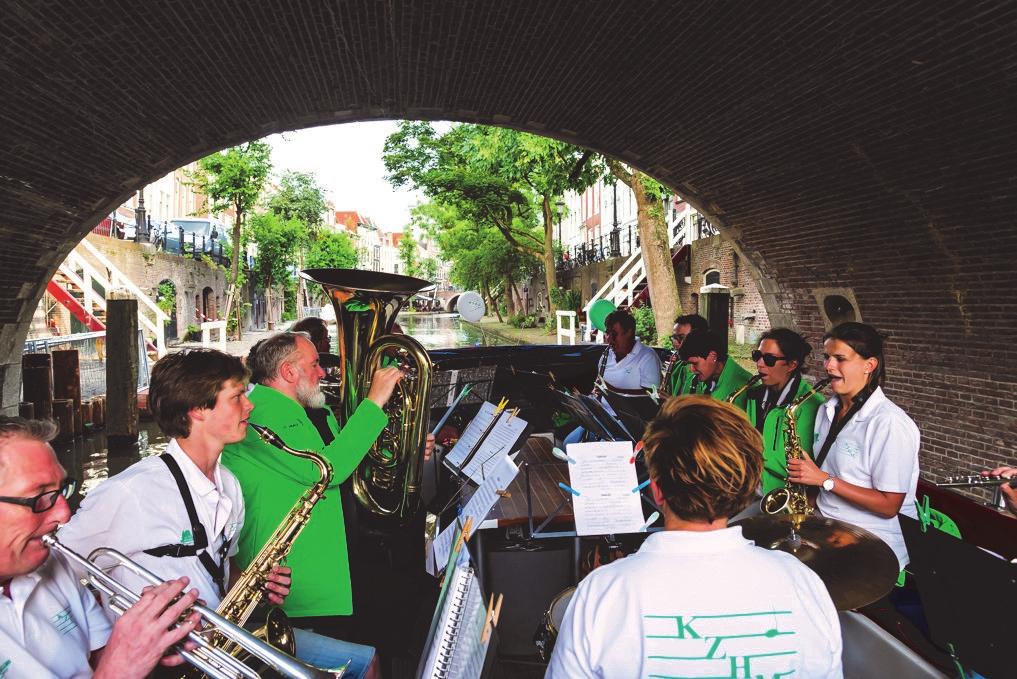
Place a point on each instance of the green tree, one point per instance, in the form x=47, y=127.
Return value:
x=300, y=197
x=655, y=245
x=332, y=250
x=429, y=269
x=279, y=241
x=407, y=250
x=234, y=179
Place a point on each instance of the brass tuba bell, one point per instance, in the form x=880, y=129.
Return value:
x=366, y=303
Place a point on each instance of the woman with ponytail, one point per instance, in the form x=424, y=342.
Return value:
x=866, y=447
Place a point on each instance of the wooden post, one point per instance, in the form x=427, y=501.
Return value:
x=122, y=371
x=37, y=383
x=86, y=416
x=67, y=382
x=63, y=413
x=26, y=409
x=99, y=411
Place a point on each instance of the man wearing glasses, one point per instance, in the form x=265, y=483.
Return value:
x=780, y=360
x=50, y=626
x=678, y=378
x=715, y=375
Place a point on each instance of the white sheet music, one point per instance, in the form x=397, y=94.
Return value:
x=604, y=477
x=474, y=430
x=499, y=442
x=499, y=476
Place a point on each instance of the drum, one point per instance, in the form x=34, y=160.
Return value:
x=547, y=633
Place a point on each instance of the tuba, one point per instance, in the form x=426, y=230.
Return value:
x=793, y=497
x=387, y=482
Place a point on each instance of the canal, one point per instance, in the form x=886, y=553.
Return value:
x=90, y=460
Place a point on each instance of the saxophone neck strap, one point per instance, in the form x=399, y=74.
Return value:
x=199, y=546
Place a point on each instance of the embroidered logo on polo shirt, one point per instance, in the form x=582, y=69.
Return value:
x=187, y=538
x=3, y=668
x=848, y=448
x=63, y=622
x=231, y=529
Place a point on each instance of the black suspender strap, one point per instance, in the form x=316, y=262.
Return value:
x=838, y=424
x=200, y=546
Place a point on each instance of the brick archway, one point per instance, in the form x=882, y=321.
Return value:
x=867, y=153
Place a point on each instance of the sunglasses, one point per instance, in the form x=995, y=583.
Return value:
x=43, y=502
x=769, y=360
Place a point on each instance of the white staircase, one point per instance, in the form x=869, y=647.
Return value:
x=625, y=284
x=80, y=271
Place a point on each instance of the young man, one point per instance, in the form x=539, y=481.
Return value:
x=714, y=374
x=289, y=401
x=698, y=599
x=51, y=626
x=679, y=380
x=780, y=360
x=181, y=512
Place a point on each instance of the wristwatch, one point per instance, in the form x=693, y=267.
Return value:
x=828, y=483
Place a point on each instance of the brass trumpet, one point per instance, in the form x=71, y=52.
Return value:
x=214, y=662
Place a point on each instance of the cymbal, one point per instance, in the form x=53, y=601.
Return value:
x=855, y=565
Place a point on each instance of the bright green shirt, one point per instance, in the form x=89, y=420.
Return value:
x=732, y=378
x=681, y=380
x=775, y=432
x=273, y=480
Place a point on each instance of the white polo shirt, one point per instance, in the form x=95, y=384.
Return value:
x=877, y=448
x=640, y=368
x=699, y=604
x=140, y=508
x=50, y=625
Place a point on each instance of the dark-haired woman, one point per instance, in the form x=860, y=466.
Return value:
x=780, y=360
x=866, y=447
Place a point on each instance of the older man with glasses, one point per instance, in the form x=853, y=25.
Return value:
x=50, y=626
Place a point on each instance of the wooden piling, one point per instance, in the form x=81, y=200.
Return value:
x=63, y=413
x=37, y=383
x=121, y=371
x=67, y=382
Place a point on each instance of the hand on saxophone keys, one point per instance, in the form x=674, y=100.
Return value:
x=804, y=471
x=277, y=584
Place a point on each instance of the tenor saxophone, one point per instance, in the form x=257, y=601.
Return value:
x=792, y=497
x=240, y=602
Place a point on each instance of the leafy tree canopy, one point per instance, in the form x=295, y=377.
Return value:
x=278, y=241
x=300, y=197
x=332, y=250
x=407, y=249
x=235, y=177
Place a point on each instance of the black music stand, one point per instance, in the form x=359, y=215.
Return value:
x=969, y=597
x=635, y=412
x=591, y=416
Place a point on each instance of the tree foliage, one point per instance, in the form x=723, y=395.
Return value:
x=278, y=241
x=407, y=250
x=332, y=250
x=300, y=197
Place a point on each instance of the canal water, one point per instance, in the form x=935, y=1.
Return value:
x=90, y=460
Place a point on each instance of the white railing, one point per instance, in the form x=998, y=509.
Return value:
x=620, y=288
x=569, y=332
x=150, y=316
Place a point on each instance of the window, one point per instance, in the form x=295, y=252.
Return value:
x=711, y=277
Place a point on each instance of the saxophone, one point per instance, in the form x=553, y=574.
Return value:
x=240, y=602
x=745, y=387
x=793, y=497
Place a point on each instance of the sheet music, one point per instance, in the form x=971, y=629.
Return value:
x=605, y=478
x=469, y=651
x=500, y=441
x=499, y=476
x=474, y=430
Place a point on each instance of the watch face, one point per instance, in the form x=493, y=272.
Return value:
x=828, y=484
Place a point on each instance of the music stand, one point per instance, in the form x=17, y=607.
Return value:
x=969, y=597
x=635, y=412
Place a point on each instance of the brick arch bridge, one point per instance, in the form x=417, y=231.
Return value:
x=867, y=151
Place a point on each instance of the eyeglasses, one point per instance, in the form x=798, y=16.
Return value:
x=769, y=360
x=43, y=502
x=677, y=338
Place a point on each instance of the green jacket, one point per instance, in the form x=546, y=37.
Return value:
x=775, y=432
x=732, y=378
x=681, y=380
x=272, y=480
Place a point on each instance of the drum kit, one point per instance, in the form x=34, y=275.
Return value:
x=857, y=567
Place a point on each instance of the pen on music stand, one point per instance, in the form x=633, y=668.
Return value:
x=562, y=455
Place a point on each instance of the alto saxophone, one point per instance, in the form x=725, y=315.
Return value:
x=793, y=497
x=745, y=387
x=240, y=602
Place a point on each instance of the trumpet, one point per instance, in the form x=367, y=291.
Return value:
x=213, y=661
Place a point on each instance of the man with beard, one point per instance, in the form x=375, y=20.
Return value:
x=288, y=400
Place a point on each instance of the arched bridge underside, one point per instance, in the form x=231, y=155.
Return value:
x=860, y=149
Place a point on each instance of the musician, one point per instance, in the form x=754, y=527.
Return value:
x=866, y=447
x=1009, y=494
x=317, y=329
x=680, y=379
x=181, y=512
x=288, y=400
x=51, y=626
x=714, y=374
x=780, y=360
x=698, y=599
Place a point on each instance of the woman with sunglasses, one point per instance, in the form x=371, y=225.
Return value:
x=780, y=361
x=866, y=447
